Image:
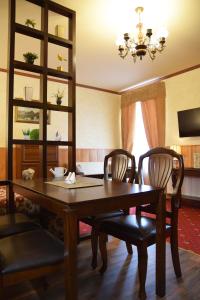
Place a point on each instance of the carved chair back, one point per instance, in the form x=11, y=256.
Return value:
x=122, y=165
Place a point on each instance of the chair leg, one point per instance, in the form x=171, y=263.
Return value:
x=175, y=253
x=2, y=294
x=94, y=244
x=40, y=285
x=142, y=269
x=129, y=248
x=102, y=247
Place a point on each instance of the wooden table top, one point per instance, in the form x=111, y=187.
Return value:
x=73, y=197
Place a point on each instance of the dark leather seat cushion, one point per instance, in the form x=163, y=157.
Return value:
x=91, y=220
x=131, y=228
x=29, y=250
x=15, y=223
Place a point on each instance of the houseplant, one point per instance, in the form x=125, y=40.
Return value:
x=30, y=23
x=26, y=134
x=30, y=57
x=59, y=95
x=34, y=134
x=60, y=59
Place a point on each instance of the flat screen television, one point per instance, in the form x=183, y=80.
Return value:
x=189, y=122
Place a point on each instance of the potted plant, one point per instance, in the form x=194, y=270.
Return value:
x=30, y=57
x=26, y=134
x=30, y=23
x=34, y=134
x=58, y=136
x=60, y=59
x=59, y=95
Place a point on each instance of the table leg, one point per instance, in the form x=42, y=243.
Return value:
x=70, y=254
x=161, y=247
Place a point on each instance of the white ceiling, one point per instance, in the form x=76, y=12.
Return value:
x=99, y=22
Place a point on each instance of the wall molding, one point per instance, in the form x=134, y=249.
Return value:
x=106, y=90
x=62, y=81
x=160, y=79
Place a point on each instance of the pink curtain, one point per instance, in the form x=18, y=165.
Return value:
x=127, y=126
x=152, y=98
x=153, y=112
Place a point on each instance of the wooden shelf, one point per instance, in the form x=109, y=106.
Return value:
x=37, y=2
x=28, y=67
x=27, y=142
x=59, y=9
x=28, y=31
x=25, y=103
x=59, y=41
x=59, y=107
x=190, y=172
x=59, y=74
x=59, y=143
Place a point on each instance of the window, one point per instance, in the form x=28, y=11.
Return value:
x=140, y=144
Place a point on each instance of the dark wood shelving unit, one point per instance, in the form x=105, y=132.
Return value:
x=28, y=31
x=27, y=142
x=25, y=103
x=28, y=67
x=59, y=108
x=59, y=74
x=45, y=37
x=59, y=41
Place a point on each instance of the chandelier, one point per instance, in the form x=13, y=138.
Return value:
x=142, y=43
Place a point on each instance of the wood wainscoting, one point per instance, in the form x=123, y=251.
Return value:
x=3, y=162
x=82, y=155
x=187, y=152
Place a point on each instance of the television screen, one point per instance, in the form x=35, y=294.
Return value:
x=189, y=122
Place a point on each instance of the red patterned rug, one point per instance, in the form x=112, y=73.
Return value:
x=189, y=228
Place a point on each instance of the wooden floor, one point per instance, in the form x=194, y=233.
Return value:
x=120, y=280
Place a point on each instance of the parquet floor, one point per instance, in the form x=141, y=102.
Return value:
x=120, y=282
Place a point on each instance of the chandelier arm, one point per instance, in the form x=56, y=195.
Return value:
x=151, y=55
x=126, y=51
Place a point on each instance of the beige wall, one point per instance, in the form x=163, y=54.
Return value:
x=98, y=114
x=183, y=92
x=98, y=119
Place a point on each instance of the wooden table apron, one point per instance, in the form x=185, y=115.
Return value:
x=74, y=204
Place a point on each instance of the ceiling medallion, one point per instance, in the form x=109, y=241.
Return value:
x=142, y=43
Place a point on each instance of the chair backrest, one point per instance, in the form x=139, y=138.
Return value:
x=160, y=169
x=122, y=165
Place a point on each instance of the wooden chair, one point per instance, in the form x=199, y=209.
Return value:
x=14, y=223
x=27, y=256
x=140, y=230
x=118, y=171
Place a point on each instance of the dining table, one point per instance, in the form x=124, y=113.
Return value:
x=96, y=197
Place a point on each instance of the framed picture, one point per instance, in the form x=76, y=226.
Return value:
x=30, y=115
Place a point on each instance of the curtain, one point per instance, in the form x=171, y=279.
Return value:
x=152, y=98
x=127, y=126
x=153, y=113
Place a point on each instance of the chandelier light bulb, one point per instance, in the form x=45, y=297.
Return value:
x=142, y=41
x=120, y=41
x=163, y=32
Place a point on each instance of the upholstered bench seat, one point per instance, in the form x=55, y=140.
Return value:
x=15, y=223
x=29, y=250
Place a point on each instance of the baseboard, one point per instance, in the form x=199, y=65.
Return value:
x=189, y=201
